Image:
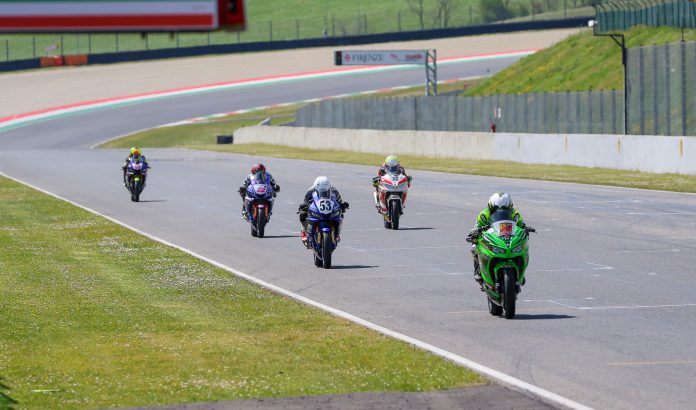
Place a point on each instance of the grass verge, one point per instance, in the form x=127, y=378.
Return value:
x=562, y=68
x=97, y=316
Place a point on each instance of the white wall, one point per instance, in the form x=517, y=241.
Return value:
x=657, y=154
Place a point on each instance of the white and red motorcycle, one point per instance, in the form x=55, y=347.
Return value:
x=390, y=197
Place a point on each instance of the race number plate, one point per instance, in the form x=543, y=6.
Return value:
x=260, y=189
x=325, y=206
x=506, y=229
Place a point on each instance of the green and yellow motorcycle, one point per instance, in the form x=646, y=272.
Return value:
x=502, y=253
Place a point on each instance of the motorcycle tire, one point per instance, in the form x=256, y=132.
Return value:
x=493, y=309
x=136, y=191
x=260, y=222
x=509, y=293
x=326, y=250
x=394, y=214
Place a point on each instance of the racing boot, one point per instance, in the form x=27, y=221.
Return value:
x=245, y=214
x=303, y=238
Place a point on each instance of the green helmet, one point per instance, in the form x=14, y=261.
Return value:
x=392, y=163
x=135, y=151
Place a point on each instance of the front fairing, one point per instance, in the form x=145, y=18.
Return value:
x=496, y=249
x=324, y=214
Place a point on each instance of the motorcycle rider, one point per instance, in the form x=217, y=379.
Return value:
x=264, y=176
x=497, y=201
x=134, y=155
x=323, y=188
x=391, y=165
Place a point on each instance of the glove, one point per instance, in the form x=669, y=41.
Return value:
x=241, y=191
x=345, y=206
x=276, y=188
x=410, y=178
x=302, y=208
x=529, y=229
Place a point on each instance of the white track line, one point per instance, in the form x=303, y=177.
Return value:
x=509, y=381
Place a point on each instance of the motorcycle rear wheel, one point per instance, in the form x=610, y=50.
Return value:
x=493, y=309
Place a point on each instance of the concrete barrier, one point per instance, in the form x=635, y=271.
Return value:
x=656, y=154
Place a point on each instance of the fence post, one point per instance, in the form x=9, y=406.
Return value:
x=333, y=26
x=209, y=38
x=147, y=41
x=89, y=43
x=656, y=114
x=117, y=46
x=398, y=18
x=641, y=92
x=7, y=50
x=270, y=30
x=668, y=88
x=683, y=88
x=33, y=45
x=62, y=45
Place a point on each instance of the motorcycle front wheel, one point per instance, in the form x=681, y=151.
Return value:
x=260, y=222
x=509, y=293
x=326, y=250
x=394, y=214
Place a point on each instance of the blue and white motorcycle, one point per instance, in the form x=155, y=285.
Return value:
x=258, y=204
x=324, y=220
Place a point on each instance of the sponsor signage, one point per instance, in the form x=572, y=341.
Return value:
x=372, y=57
x=120, y=15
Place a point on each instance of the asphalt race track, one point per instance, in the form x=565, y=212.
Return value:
x=606, y=316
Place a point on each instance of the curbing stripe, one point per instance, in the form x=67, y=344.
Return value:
x=505, y=379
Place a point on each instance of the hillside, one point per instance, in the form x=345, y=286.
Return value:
x=579, y=63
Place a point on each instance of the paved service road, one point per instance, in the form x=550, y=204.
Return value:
x=606, y=317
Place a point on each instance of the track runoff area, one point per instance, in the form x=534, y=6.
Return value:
x=592, y=277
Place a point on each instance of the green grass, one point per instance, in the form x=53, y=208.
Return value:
x=96, y=316
x=580, y=63
x=267, y=19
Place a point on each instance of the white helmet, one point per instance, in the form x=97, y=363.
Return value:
x=499, y=200
x=322, y=184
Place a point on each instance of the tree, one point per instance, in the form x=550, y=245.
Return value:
x=418, y=7
x=444, y=12
x=493, y=10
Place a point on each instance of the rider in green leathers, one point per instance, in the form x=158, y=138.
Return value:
x=499, y=200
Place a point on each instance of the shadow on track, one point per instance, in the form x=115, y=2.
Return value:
x=154, y=200
x=543, y=316
x=353, y=267
x=416, y=228
x=280, y=236
x=6, y=402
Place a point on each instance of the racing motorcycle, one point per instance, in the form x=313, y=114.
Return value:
x=390, y=197
x=502, y=252
x=324, y=219
x=136, y=171
x=258, y=203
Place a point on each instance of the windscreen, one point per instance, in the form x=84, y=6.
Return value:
x=259, y=177
x=501, y=215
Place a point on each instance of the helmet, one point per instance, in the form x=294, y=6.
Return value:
x=258, y=168
x=322, y=184
x=135, y=151
x=499, y=200
x=392, y=163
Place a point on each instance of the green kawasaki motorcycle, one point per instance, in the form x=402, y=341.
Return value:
x=502, y=253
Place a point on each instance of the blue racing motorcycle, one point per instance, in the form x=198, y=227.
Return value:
x=258, y=203
x=324, y=219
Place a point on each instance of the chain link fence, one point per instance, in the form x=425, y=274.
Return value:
x=619, y=16
x=591, y=112
x=662, y=89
